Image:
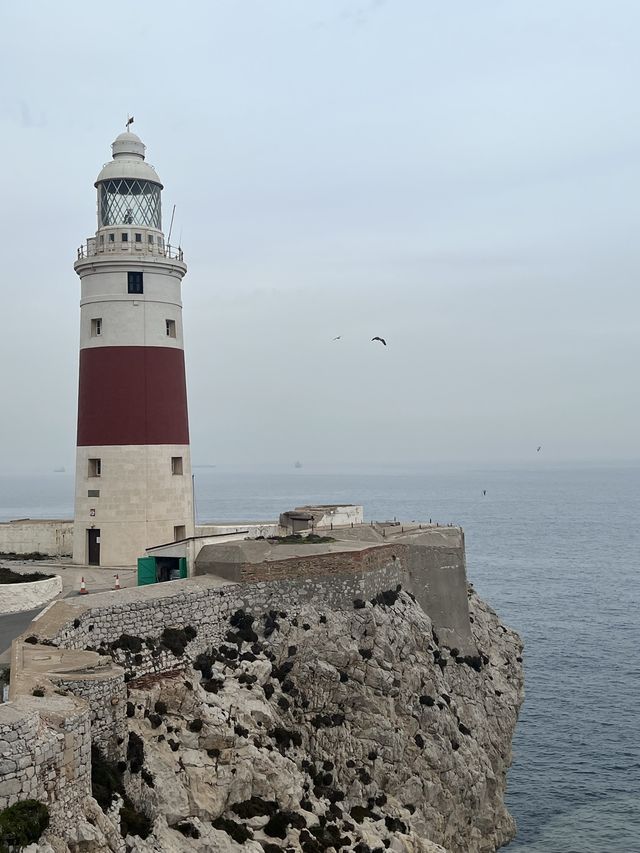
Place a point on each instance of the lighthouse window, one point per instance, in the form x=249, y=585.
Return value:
x=124, y=237
x=112, y=238
x=96, y=327
x=171, y=328
x=176, y=464
x=93, y=493
x=95, y=467
x=134, y=282
x=150, y=239
x=138, y=238
x=179, y=532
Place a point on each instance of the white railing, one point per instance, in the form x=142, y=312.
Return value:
x=91, y=248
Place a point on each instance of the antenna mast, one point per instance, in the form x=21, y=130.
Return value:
x=173, y=213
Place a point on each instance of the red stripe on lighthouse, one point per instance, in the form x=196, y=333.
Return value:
x=132, y=395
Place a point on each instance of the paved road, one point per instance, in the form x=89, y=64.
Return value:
x=12, y=624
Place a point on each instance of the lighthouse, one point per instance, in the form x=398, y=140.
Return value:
x=133, y=465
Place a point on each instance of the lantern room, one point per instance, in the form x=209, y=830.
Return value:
x=128, y=187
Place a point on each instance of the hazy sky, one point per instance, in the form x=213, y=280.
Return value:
x=461, y=178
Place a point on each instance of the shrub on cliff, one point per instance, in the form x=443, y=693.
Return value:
x=106, y=782
x=22, y=824
x=176, y=639
x=128, y=643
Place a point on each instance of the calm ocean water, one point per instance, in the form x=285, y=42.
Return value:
x=555, y=550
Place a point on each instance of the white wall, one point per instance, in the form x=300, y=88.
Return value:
x=16, y=597
x=54, y=538
x=341, y=515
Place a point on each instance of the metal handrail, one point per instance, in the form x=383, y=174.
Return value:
x=90, y=249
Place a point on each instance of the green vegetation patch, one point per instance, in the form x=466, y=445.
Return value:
x=9, y=576
x=297, y=539
x=22, y=824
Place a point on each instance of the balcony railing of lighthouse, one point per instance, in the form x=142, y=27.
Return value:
x=92, y=248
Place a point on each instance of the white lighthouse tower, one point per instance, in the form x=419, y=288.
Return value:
x=133, y=465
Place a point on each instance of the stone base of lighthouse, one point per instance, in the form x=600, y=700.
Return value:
x=129, y=498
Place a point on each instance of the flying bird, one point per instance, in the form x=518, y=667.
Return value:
x=484, y=491
x=539, y=449
x=382, y=340
x=337, y=338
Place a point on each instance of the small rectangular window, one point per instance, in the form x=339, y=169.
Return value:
x=93, y=493
x=150, y=239
x=179, y=532
x=138, y=238
x=95, y=467
x=176, y=464
x=112, y=238
x=96, y=327
x=134, y=282
x=102, y=239
x=124, y=237
x=171, y=328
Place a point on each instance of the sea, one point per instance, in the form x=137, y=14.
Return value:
x=555, y=550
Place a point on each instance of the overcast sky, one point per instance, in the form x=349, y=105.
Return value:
x=461, y=178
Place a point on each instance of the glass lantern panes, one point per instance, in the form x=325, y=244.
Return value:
x=129, y=202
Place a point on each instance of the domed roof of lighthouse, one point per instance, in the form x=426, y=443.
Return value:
x=128, y=161
x=128, y=143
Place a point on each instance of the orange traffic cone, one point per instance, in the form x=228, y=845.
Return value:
x=83, y=587
x=117, y=586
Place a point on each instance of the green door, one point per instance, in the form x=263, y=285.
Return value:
x=146, y=570
x=183, y=567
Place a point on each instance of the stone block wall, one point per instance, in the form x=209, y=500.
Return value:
x=45, y=749
x=314, y=566
x=107, y=699
x=207, y=609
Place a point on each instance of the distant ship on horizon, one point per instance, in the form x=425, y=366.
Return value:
x=297, y=464
x=62, y=470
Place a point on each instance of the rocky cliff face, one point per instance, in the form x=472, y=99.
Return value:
x=337, y=730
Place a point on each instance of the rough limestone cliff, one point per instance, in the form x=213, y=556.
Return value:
x=338, y=730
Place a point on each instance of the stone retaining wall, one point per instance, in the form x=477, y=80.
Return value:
x=208, y=608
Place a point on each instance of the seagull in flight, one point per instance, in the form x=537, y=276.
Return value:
x=337, y=338
x=382, y=340
x=539, y=449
